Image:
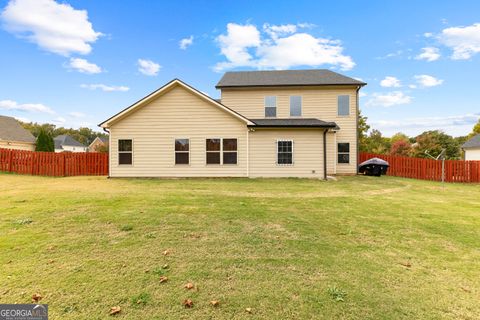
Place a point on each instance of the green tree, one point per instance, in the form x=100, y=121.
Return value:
x=434, y=142
x=475, y=130
x=376, y=143
x=44, y=142
x=363, y=128
x=399, y=136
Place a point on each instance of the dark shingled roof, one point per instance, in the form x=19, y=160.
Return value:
x=12, y=130
x=293, y=123
x=474, y=142
x=314, y=77
x=64, y=140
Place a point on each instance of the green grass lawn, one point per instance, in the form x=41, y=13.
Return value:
x=390, y=248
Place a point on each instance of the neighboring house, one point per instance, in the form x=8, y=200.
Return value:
x=472, y=148
x=14, y=136
x=98, y=143
x=66, y=143
x=297, y=123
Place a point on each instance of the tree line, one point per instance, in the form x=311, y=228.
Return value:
x=424, y=145
x=45, y=132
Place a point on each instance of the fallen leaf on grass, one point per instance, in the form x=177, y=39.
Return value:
x=166, y=252
x=406, y=264
x=248, y=310
x=36, y=297
x=115, y=310
x=189, y=286
x=188, y=303
x=163, y=279
x=466, y=289
x=215, y=303
x=165, y=266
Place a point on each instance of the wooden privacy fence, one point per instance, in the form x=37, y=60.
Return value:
x=54, y=164
x=429, y=169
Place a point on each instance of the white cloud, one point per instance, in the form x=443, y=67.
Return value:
x=54, y=27
x=390, y=82
x=429, y=54
x=76, y=114
x=412, y=86
x=281, y=47
x=59, y=121
x=27, y=107
x=388, y=99
x=362, y=94
x=428, y=34
x=279, y=30
x=104, y=87
x=186, y=42
x=148, y=67
x=83, y=66
x=22, y=119
x=464, y=41
x=455, y=124
x=425, y=80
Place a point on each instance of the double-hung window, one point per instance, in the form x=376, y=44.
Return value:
x=284, y=152
x=270, y=106
x=229, y=151
x=343, y=105
x=125, y=151
x=343, y=151
x=182, y=151
x=221, y=151
x=295, y=106
x=213, y=151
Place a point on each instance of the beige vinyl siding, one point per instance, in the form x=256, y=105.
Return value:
x=17, y=145
x=176, y=114
x=317, y=102
x=307, y=153
x=472, y=154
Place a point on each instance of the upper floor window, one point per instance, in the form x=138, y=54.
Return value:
x=343, y=151
x=125, y=151
x=343, y=105
x=270, y=106
x=295, y=106
x=285, y=152
x=182, y=151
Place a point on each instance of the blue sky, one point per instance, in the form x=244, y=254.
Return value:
x=76, y=63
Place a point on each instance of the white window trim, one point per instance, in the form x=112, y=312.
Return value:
x=349, y=153
x=221, y=153
x=221, y=156
x=175, y=152
x=265, y=106
x=118, y=152
x=349, y=113
x=293, y=153
x=301, y=106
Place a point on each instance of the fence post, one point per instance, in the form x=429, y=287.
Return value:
x=64, y=165
x=10, y=161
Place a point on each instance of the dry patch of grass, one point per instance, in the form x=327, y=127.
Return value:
x=356, y=248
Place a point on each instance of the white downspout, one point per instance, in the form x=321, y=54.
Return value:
x=248, y=152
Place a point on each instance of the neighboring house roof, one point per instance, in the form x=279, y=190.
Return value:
x=474, y=142
x=65, y=140
x=315, y=77
x=12, y=130
x=293, y=123
x=103, y=140
x=164, y=89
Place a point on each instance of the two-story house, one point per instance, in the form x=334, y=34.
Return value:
x=295, y=123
